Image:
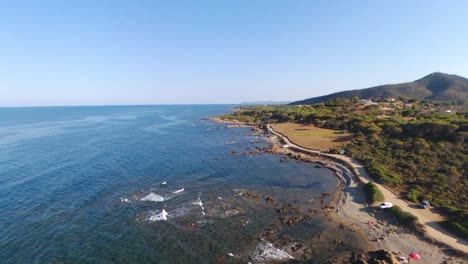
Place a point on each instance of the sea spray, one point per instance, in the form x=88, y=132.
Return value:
x=265, y=251
x=178, y=191
x=158, y=216
x=152, y=197
x=200, y=203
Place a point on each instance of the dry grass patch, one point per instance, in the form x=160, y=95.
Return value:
x=313, y=137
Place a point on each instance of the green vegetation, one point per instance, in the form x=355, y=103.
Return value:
x=415, y=147
x=458, y=223
x=405, y=218
x=373, y=194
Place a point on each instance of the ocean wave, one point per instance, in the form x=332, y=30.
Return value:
x=158, y=216
x=180, y=212
x=178, y=191
x=200, y=203
x=152, y=197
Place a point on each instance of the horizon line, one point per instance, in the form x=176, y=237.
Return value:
x=109, y=105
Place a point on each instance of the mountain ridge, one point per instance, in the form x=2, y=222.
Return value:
x=436, y=86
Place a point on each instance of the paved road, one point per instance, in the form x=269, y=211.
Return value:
x=425, y=216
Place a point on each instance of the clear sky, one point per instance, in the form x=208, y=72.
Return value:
x=220, y=51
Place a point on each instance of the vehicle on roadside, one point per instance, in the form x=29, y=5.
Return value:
x=424, y=204
x=385, y=205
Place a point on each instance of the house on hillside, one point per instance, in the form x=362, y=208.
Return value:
x=367, y=102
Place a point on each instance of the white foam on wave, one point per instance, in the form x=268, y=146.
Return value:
x=230, y=212
x=160, y=216
x=152, y=197
x=265, y=251
x=180, y=212
x=178, y=191
x=205, y=221
x=200, y=203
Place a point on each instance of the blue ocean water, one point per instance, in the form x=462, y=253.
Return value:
x=72, y=180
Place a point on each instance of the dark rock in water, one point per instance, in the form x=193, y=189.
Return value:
x=296, y=247
x=288, y=208
x=270, y=199
x=294, y=220
x=248, y=194
x=382, y=257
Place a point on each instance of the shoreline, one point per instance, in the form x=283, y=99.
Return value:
x=384, y=234
x=349, y=205
x=232, y=123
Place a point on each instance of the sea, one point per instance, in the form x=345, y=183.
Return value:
x=157, y=184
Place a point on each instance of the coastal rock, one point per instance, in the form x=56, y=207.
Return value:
x=248, y=194
x=270, y=199
x=288, y=208
x=382, y=257
x=294, y=220
x=358, y=259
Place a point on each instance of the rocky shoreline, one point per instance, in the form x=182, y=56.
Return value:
x=349, y=209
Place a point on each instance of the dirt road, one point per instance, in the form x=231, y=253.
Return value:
x=426, y=217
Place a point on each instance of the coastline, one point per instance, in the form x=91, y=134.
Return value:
x=349, y=206
x=231, y=123
x=384, y=235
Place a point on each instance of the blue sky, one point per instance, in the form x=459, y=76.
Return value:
x=165, y=52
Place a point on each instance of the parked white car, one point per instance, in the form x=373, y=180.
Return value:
x=385, y=205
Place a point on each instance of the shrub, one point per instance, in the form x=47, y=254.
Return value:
x=456, y=228
x=373, y=193
x=457, y=222
x=405, y=218
x=414, y=194
x=383, y=174
x=333, y=151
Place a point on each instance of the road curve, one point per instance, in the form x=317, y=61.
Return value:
x=426, y=217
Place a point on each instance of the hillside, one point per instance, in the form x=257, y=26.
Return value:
x=436, y=86
x=265, y=103
x=421, y=154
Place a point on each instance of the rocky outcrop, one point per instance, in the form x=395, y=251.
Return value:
x=382, y=257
